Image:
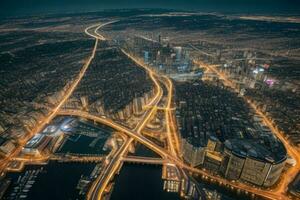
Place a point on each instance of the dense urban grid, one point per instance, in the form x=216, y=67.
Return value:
x=211, y=100
x=113, y=85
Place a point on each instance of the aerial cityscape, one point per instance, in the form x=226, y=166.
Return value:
x=155, y=101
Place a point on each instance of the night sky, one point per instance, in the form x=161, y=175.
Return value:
x=23, y=7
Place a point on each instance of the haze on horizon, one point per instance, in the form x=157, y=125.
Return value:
x=32, y=7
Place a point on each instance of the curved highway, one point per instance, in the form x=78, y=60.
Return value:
x=171, y=155
x=98, y=188
x=74, y=83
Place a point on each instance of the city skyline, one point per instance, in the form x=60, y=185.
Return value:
x=162, y=104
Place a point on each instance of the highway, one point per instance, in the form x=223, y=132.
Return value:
x=68, y=93
x=97, y=191
x=98, y=188
x=77, y=158
x=170, y=156
x=268, y=194
x=201, y=51
x=172, y=136
x=62, y=158
x=173, y=158
x=166, y=155
x=146, y=38
x=293, y=151
x=144, y=160
x=118, y=127
x=95, y=34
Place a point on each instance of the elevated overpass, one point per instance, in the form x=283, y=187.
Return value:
x=144, y=160
x=77, y=158
x=166, y=155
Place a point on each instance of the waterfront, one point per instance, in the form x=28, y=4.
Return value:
x=225, y=193
x=144, y=181
x=89, y=137
x=138, y=182
x=141, y=150
x=231, y=135
x=53, y=181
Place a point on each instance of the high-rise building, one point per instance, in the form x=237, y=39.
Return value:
x=193, y=155
x=250, y=163
x=137, y=105
x=178, y=53
x=255, y=171
x=84, y=101
x=146, y=57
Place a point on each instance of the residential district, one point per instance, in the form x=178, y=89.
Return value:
x=94, y=104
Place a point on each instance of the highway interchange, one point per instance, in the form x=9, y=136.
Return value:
x=170, y=155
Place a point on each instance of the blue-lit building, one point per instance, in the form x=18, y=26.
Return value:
x=146, y=57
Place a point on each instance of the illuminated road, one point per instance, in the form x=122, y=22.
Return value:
x=288, y=176
x=117, y=127
x=98, y=187
x=144, y=160
x=63, y=158
x=241, y=186
x=173, y=159
x=172, y=136
x=173, y=141
x=68, y=93
x=171, y=155
x=201, y=51
x=146, y=38
x=77, y=158
x=167, y=156
x=95, y=34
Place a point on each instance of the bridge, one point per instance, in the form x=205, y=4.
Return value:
x=72, y=85
x=77, y=158
x=98, y=188
x=99, y=185
x=166, y=155
x=144, y=160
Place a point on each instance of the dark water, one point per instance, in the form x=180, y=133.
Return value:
x=140, y=182
x=142, y=150
x=225, y=193
x=87, y=144
x=135, y=182
x=81, y=144
x=57, y=181
x=143, y=182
